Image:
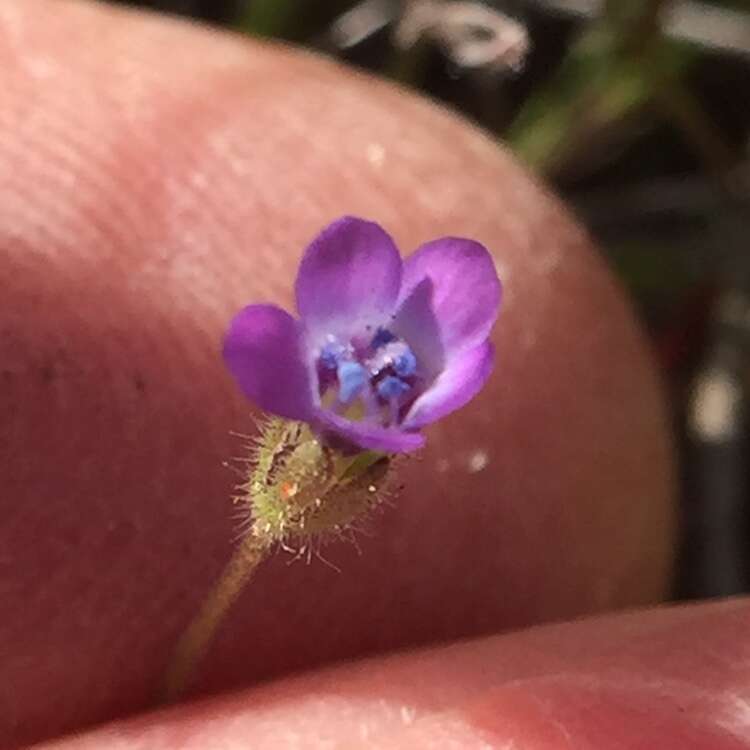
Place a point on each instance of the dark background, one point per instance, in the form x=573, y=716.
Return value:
x=638, y=113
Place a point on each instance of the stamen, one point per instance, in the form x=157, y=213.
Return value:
x=364, y=380
x=405, y=364
x=330, y=355
x=352, y=378
x=391, y=387
x=381, y=338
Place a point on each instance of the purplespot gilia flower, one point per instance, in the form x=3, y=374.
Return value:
x=381, y=347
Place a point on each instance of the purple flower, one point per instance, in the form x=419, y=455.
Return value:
x=382, y=346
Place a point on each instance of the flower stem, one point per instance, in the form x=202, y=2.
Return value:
x=196, y=639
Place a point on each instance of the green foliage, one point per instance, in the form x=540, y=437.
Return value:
x=288, y=19
x=617, y=66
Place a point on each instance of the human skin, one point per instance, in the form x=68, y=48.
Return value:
x=155, y=178
x=674, y=679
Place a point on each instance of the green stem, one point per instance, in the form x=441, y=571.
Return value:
x=197, y=638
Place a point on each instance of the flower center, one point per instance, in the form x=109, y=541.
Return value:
x=374, y=376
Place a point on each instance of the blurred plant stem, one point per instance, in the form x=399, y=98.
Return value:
x=409, y=66
x=611, y=72
x=267, y=17
x=287, y=19
x=719, y=159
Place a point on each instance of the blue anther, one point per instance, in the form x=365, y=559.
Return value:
x=330, y=355
x=352, y=378
x=390, y=387
x=381, y=338
x=405, y=364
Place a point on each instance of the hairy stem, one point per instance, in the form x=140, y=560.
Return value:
x=197, y=638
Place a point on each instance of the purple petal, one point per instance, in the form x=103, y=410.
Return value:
x=466, y=292
x=461, y=380
x=415, y=322
x=368, y=436
x=262, y=350
x=350, y=274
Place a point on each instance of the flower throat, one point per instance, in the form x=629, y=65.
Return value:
x=370, y=377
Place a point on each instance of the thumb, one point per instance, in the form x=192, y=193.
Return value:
x=157, y=177
x=673, y=679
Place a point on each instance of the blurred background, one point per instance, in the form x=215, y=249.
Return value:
x=637, y=112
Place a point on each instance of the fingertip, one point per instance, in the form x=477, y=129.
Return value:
x=159, y=178
x=668, y=679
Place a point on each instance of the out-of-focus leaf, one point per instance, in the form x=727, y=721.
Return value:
x=267, y=17
x=288, y=19
x=608, y=75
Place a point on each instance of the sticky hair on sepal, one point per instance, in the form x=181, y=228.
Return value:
x=298, y=487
